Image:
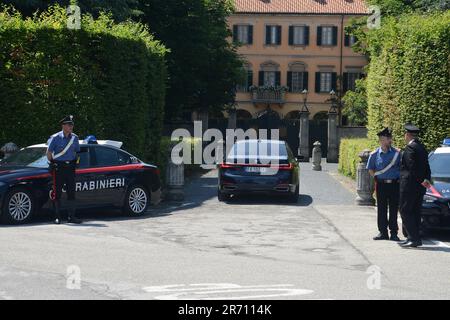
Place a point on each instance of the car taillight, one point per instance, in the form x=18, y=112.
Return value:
x=290, y=166
x=228, y=166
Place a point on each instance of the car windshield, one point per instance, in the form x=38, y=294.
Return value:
x=440, y=165
x=260, y=151
x=29, y=157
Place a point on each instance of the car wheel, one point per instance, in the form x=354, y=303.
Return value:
x=293, y=197
x=223, y=196
x=18, y=207
x=137, y=201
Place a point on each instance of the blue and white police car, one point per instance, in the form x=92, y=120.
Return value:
x=436, y=204
x=106, y=176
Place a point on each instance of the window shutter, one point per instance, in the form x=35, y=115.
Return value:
x=289, y=80
x=268, y=36
x=306, y=29
x=347, y=40
x=345, y=82
x=335, y=36
x=250, y=34
x=261, y=78
x=319, y=36
x=235, y=33
x=291, y=35
x=249, y=79
x=277, y=78
x=305, y=80
x=333, y=81
x=317, y=82
x=279, y=34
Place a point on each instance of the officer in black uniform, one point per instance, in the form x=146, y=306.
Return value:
x=62, y=155
x=415, y=175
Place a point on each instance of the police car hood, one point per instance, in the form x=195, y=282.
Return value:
x=442, y=185
x=14, y=172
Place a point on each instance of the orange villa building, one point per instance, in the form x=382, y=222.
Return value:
x=295, y=45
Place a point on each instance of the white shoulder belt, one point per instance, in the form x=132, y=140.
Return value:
x=389, y=166
x=56, y=156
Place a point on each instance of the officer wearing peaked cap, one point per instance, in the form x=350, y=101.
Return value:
x=384, y=166
x=415, y=175
x=62, y=155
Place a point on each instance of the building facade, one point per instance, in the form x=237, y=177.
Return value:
x=295, y=50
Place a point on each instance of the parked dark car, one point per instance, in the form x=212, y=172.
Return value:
x=436, y=204
x=262, y=167
x=106, y=176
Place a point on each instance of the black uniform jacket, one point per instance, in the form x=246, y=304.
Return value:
x=414, y=166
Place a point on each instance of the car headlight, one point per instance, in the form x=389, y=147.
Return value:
x=429, y=198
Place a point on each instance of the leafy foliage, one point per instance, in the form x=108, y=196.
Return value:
x=409, y=76
x=349, y=151
x=121, y=10
x=203, y=65
x=355, y=104
x=111, y=77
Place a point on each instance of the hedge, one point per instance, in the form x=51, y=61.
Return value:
x=110, y=76
x=349, y=150
x=409, y=77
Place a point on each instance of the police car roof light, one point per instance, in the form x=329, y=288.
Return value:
x=446, y=142
x=90, y=140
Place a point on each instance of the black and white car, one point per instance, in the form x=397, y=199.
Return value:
x=106, y=176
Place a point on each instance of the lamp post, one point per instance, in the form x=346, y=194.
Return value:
x=303, y=134
x=333, y=139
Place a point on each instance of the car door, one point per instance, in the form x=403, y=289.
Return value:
x=110, y=175
x=83, y=196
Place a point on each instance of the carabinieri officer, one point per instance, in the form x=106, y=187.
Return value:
x=384, y=166
x=62, y=154
x=415, y=178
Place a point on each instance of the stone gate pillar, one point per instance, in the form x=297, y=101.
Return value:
x=333, y=139
x=303, y=135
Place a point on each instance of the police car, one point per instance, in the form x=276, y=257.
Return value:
x=436, y=204
x=106, y=176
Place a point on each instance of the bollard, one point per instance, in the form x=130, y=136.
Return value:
x=317, y=156
x=8, y=149
x=174, y=178
x=364, y=182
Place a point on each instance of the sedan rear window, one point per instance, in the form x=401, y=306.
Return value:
x=258, y=151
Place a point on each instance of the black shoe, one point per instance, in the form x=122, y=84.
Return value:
x=411, y=244
x=404, y=241
x=381, y=236
x=394, y=237
x=58, y=221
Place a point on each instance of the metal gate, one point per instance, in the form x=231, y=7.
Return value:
x=318, y=131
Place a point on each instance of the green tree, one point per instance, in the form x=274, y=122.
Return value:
x=355, y=104
x=120, y=9
x=398, y=7
x=203, y=65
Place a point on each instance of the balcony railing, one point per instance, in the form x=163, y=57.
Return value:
x=268, y=94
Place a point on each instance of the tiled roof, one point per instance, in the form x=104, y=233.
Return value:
x=349, y=7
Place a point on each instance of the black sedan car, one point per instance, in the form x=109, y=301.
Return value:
x=106, y=176
x=259, y=166
x=436, y=204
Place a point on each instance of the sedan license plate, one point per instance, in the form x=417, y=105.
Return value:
x=256, y=169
